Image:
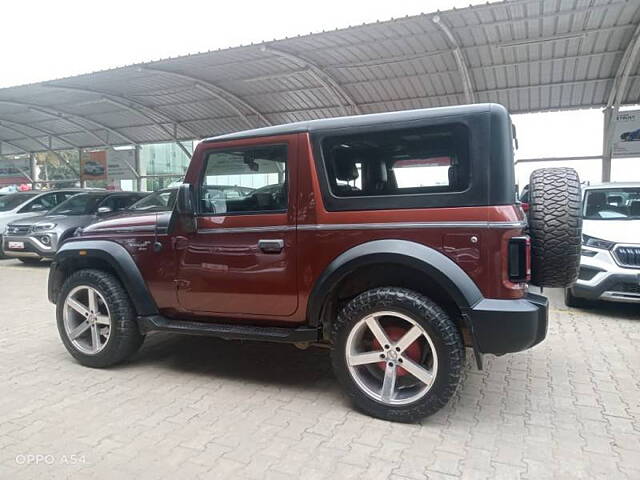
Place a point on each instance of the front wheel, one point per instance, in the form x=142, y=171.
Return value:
x=397, y=354
x=96, y=320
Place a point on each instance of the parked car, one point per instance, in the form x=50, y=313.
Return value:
x=633, y=135
x=34, y=238
x=31, y=203
x=394, y=239
x=610, y=261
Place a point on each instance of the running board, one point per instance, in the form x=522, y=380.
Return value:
x=228, y=331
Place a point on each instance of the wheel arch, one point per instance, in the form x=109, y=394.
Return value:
x=442, y=277
x=101, y=255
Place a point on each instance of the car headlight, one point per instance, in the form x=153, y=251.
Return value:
x=43, y=227
x=597, y=242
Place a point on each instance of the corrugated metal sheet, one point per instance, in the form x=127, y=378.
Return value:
x=528, y=55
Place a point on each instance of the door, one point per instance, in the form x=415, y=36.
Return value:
x=242, y=258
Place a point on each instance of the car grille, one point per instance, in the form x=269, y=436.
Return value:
x=18, y=229
x=628, y=256
x=626, y=288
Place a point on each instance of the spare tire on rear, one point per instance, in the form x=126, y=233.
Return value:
x=555, y=226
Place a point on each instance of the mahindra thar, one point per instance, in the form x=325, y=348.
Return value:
x=393, y=239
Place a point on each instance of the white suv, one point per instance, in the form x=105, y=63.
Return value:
x=610, y=261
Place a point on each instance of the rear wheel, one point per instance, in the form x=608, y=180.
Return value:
x=397, y=354
x=96, y=320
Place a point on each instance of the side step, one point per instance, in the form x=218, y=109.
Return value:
x=228, y=331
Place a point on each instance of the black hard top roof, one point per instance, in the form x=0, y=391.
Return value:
x=360, y=121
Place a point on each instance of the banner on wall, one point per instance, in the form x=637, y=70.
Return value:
x=93, y=165
x=626, y=133
x=120, y=164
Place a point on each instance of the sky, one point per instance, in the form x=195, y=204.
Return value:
x=44, y=40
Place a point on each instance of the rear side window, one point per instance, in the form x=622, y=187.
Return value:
x=427, y=160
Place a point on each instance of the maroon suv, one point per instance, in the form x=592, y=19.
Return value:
x=395, y=239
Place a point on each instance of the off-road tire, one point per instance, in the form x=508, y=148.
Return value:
x=443, y=332
x=125, y=337
x=555, y=226
x=570, y=300
x=30, y=260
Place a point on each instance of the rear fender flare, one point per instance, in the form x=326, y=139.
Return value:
x=440, y=268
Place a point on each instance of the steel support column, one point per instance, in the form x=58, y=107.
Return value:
x=33, y=170
x=616, y=98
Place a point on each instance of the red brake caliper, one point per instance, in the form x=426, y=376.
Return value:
x=413, y=351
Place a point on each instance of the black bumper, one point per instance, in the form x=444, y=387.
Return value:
x=629, y=283
x=506, y=326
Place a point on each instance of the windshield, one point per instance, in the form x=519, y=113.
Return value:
x=156, y=202
x=81, y=204
x=612, y=204
x=9, y=202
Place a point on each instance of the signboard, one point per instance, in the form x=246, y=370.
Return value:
x=93, y=165
x=626, y=133
x=120, y=164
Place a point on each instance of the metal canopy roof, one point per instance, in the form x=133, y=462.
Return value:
x=528, y=55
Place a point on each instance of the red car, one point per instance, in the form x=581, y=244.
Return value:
x=394, y=239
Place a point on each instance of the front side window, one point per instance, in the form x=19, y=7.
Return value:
x=250, y=180
x=404, y=162
x=42, y=203
x=612, y=204
x=9, y=202
x=81, y=204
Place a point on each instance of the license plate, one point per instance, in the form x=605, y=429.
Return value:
x=16, y=245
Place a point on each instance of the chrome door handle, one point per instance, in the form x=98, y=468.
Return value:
x=271, y=245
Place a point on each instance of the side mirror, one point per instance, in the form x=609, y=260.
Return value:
x=183, y=217
x=37, y=207
x=103, y=210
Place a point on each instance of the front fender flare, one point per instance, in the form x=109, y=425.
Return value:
x=116, y=256
x=444, y=271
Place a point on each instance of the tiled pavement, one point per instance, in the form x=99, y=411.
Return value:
x=189, y=407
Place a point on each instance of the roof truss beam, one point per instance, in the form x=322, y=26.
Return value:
x=326, y=80
x=67, y=117
x=231, y=100
x=130, y=104
x=461, y=60
x=45, y=133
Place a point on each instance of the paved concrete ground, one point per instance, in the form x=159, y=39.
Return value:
x=190, y=407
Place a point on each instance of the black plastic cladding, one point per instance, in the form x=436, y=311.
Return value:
x=444, y=271
x=118, y=258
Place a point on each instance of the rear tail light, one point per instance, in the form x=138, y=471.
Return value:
x=525, y=206
x=519, y=259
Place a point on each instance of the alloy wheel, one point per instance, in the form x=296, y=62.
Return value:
x=391, y=357
x=87, y=321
